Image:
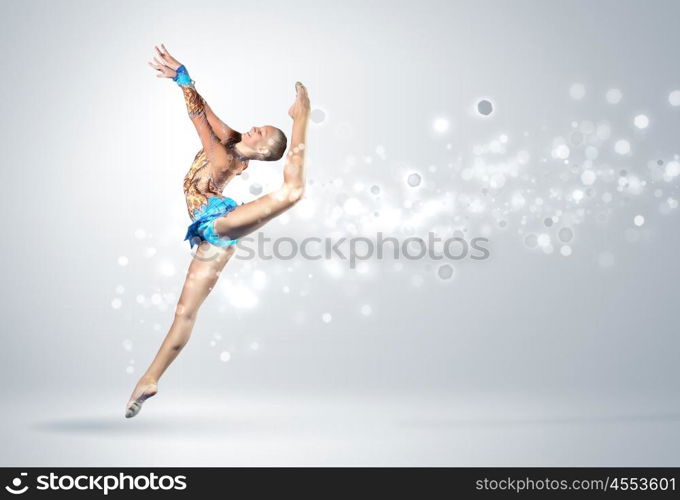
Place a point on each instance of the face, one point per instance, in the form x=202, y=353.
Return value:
x=259, y=139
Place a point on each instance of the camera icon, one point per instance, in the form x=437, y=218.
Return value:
x=16, y=483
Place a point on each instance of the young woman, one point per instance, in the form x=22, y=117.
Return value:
x=218, y=221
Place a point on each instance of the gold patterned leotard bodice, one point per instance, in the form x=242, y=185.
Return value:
x=199, y=184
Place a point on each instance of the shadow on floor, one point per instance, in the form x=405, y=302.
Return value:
x=511, y=421
x=175, y=426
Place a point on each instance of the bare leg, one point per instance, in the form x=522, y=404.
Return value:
x=202, y=275
x=203, y=272
x=250, y=216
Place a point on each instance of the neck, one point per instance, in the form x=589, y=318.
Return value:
x=241, y=153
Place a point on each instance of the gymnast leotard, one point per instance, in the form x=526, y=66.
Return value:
x=203, y=194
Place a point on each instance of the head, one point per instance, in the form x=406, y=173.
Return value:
x=265, y=143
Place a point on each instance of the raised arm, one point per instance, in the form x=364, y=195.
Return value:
x=221, y=130
x=209, y=127
x=196, y=110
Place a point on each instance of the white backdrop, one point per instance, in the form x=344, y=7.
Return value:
x=536, y=346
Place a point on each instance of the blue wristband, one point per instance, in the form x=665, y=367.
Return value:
x=182, y=76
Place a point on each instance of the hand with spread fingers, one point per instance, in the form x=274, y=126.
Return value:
x=167, y=66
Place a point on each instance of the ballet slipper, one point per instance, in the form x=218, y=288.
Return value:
x=134, y=406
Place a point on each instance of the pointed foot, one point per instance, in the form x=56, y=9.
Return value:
x=139, y=395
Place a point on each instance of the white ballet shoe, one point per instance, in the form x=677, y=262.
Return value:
x=135, y=406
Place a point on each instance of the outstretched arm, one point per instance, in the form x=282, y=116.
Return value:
x=167, y=68
x=221, y=130
x=196, y=109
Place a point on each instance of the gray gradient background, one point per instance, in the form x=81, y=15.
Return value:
x=523, y=359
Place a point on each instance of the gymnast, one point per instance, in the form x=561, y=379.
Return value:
x=218, y=221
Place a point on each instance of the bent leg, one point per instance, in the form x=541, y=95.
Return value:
x=202, y=275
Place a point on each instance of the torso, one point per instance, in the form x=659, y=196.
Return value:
x=204, y=180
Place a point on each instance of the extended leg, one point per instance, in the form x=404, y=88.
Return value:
x=251, y=216
x=201, y=277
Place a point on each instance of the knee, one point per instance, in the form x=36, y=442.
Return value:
x=185, y=313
